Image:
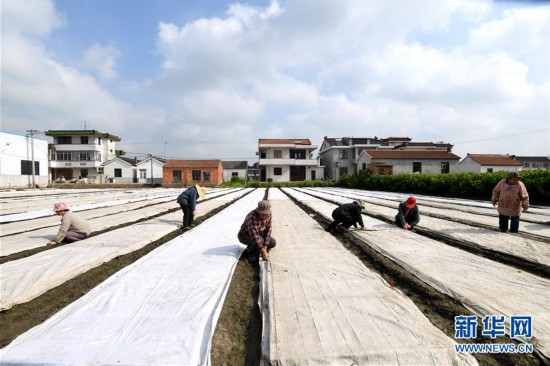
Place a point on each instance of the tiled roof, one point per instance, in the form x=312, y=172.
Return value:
x=171, y=163
x=395, y=139
x=498, y=160
x=235, y=164
x=411, y=154
x=129, y=160
x=81, y=133
x=284, y=141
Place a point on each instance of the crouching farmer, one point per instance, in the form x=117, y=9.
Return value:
x=255, y=232
x=408, y=214
x=346, y=215
x=73, y=228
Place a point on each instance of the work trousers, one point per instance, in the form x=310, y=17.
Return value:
x=187, y=216
x=503, y=223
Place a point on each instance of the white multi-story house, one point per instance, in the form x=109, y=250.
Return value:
x=17, y=153
x=534, y=162
x=341, y=155
x=287, y=160
x=80, y=153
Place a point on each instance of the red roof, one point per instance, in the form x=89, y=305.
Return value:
x=215, y=163
x=411, y=154
x=499, y=160
x=284, y=141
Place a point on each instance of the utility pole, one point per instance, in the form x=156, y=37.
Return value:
x=166, y=151
x=152, y=180
x=32, y=133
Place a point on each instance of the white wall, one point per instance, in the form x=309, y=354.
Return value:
x=403, y=166
x=228, y=174
x=146, y=165
x=128, y=171
x=17, y=147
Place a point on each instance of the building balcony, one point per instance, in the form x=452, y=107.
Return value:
x=289, y=162
x=78, y=147
x=74, y=164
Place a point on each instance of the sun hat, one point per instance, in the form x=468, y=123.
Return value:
x=61, y=206
x=361, y=203
x=410, y=202
x=201, y=191
x=264, y=207
x=513, y=175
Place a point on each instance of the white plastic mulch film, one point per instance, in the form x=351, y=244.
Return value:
x=161, y=310
x=484, y=286
x=322, y=306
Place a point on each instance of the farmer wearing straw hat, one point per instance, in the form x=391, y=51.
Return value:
x=512, y=198
x=408, y=214
x=346, y=215
x=73, y=228
x=255, y=232
x=188, y=203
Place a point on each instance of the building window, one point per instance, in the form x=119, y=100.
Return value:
x=99, y=140
x=235, y=174
x=26, y=167
x=118, y=173
x=143, y=174
x=64, y=140
x=444, y=167
x=489, y=170
x=83, y=156
x=277, y=171
x=417, y=167
x=527, y=165
x=343, y=170
x=278, y=154
x=343, y=154
x=206, y=176
x=196, y=175
x=84, y=140
x=84, y=173
x=176, y=176
x=99, y=170
x=262, y=154
x=364, y=166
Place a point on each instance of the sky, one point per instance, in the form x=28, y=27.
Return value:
x=206, y=79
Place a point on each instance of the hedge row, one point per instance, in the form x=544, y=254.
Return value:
x=465, y=185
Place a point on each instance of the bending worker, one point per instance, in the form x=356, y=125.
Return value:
x=346, y=215
x=73, y=228
x=255, y=232
x=188, y=203
x=408, y=214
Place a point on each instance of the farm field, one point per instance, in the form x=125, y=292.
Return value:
x=140, y=290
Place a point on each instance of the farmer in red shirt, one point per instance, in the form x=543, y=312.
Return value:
x=255, y=232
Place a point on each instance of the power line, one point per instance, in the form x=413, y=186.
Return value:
x=503, y=136
x=189, y=142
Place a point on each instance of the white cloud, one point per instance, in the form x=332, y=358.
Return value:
x=101, y=60
x=32, y=17
x=299, y=69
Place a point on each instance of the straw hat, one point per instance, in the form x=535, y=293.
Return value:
x=201, y=191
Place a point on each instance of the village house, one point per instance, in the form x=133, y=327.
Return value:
x=189, y=172
x=119, y=170
x=17, y=153
x=385, y=161
x=480, y=163
x=235, y=169
x=534, y=162
x=80, y=153
x=340, y=156
x=287, y=160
